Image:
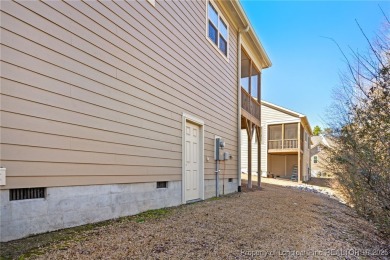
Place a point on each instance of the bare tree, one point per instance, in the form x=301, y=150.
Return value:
x=360, y=123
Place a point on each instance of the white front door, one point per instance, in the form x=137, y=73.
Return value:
x=192, y=178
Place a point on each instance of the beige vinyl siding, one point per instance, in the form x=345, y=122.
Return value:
x=93, y=92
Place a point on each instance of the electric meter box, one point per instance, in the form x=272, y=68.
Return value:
x=219, y=145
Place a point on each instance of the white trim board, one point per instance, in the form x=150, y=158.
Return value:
x=277, y=122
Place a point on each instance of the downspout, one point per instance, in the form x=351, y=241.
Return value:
x=240, y=31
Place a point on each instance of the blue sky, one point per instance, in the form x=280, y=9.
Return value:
x=306, y=66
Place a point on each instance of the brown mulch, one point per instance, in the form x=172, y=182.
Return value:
x=274, y=221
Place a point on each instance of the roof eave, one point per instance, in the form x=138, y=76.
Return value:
x=282, y=109
x=303, y=118
x=252, y=35
x=307, y=124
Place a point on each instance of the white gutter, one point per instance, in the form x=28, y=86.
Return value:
x=256, y=41
x=239, y=104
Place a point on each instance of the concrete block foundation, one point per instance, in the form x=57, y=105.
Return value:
x=65, y=207
x=227, y=188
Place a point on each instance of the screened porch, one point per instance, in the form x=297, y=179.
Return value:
x=283, y=138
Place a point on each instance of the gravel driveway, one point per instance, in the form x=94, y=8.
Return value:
x=276, y=221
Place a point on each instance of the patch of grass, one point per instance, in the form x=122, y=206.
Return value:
x=152, y=214
x=39, y=244
x=221, y=196
x=36, y=245
x=214, y=198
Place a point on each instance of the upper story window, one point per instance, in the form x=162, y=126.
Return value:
x=250, y=76
x=217, y=29
x=315, y=160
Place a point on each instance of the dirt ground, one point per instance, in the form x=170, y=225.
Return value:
x=276, y=222
x=320, y=182
x=323, y=182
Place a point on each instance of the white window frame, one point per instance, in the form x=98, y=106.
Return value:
x=220, y=16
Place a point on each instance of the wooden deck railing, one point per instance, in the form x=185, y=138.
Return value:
x=275, y=144
x=283, y=144
x=250, y=104
x=290, y=143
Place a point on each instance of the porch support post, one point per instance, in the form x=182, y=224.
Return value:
x=285, y=165
x=299, y=152
x=239, y=105
x=249, y=130
x=258, y=133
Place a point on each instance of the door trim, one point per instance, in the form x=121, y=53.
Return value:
x=193, y=120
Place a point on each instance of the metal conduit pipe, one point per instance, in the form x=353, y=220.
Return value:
x=240, y=31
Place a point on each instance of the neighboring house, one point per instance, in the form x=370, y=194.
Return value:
x=110, y=108
x=284, y=144
x=319, y=156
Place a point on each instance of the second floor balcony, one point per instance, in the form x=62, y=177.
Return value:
x=250, y=89
x=251, y=107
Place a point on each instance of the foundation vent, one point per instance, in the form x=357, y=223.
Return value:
x=162, y=184
x=230, y=180
x=26, y=194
